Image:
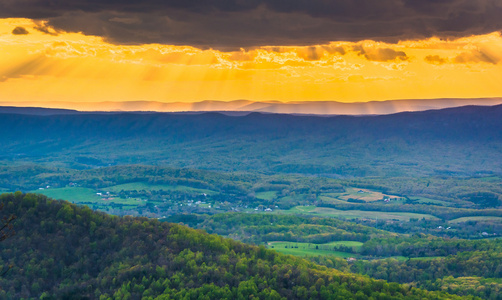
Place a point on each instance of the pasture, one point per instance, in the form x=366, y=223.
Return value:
x=269, y=195
x=423, y=200
x=138, y=186
x=310, y=249
x=364, y=194
x=476, y=218
x=85, y=195
x=354, y=214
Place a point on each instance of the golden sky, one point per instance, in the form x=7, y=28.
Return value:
x=53, y=65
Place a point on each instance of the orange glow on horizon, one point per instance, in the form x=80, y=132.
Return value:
x=74, y=67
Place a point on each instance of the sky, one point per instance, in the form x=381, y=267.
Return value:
x=260, y=50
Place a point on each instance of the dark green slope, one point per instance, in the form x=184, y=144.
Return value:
x=62, y=251
x=465, y=140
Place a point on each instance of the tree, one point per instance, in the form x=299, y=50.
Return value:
x=6, y=231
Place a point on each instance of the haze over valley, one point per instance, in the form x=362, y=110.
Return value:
x=246, y=106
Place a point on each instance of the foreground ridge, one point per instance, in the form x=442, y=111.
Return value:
x=63, y=251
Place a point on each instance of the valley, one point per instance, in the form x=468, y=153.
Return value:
x=385, y=211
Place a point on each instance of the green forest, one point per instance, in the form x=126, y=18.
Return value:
x=418, y=259
x=82, y=254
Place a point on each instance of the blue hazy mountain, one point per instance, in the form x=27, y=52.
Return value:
x=294, y=107
x=464, y=141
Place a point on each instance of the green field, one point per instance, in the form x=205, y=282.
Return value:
x=83, y=195
x=353, y=244
x=433, y=201
x=331, y=200
x=72, y=194
x=138, y=186
x=398, y=258
x=270, y=195
x=352, y=214
x=303, y=249
x=426, y=258
x=477, y=218
x=301, y=209
x=363, y=194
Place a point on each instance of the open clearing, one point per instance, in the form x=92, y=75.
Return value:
x=352, y=214
x=270, y=195
x=72, y=194
x=138, y=186
x=331, y=200
x=478, y=218
x=433, y=201
x=84, y=195
x=364, y=194
x=303, y=249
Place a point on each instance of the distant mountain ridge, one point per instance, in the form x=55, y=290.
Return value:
x=39, y=111
x=296, y=107
x=465, y=141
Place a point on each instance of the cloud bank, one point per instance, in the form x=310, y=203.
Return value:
x=234, y=24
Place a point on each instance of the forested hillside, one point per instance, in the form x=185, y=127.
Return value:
x=460, y=266
x=458, y=141
x=61, y=251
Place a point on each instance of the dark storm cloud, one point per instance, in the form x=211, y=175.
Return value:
x=231, y=24
x=435, y=60
x=19, y=31
x=44, y=28
x=380, y=54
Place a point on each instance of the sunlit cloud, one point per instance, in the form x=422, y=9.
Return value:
x=48, y=64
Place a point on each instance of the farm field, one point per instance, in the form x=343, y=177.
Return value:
x=269, y=195
x=84, y=195
x=72, y=194
x=137, y=186
x=433, y=201
x=333, y=200
x=353, y=214
x=364, y=195
x=310, y=249
x=476, y=218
